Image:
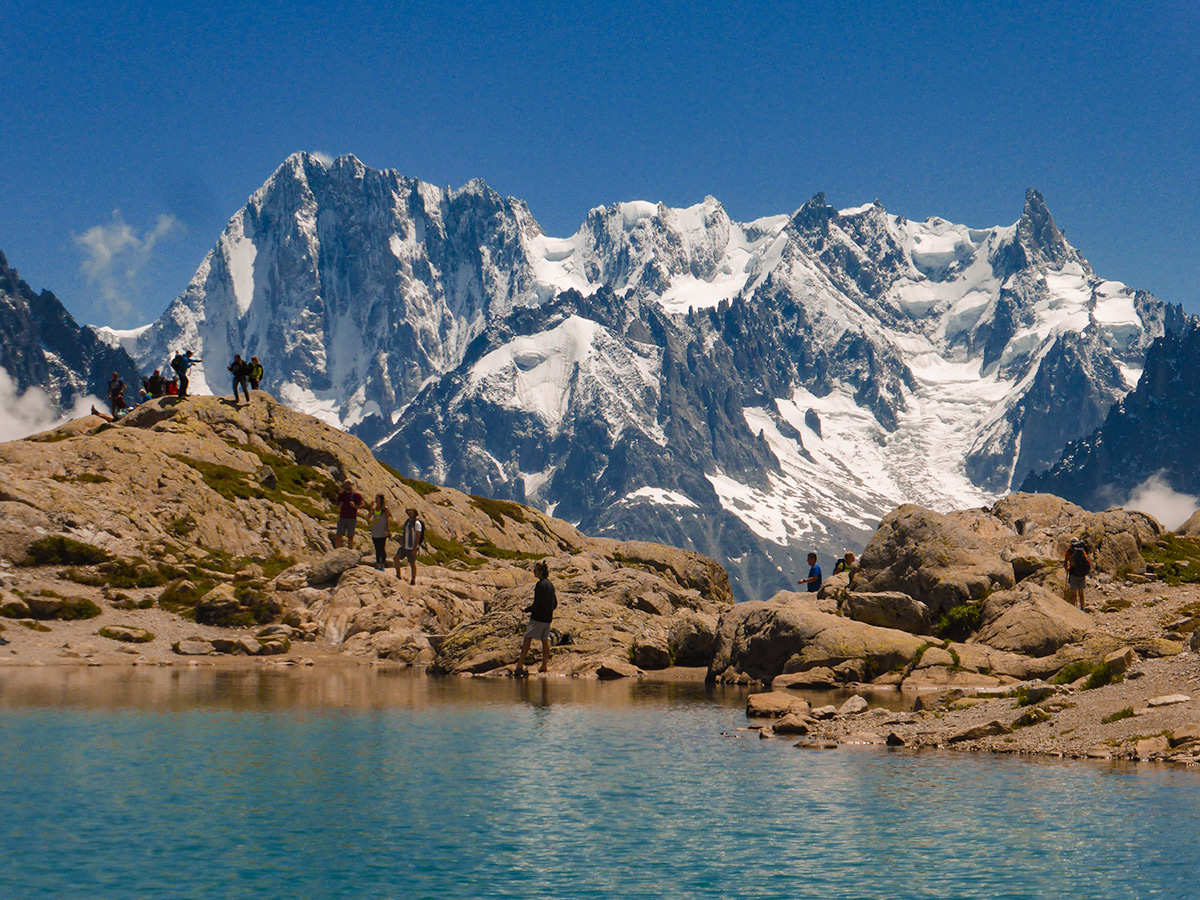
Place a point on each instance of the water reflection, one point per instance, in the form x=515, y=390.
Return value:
x=342, y=686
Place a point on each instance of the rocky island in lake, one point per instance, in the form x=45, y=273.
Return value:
x=197, y=531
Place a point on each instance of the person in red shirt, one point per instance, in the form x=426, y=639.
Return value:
x=348, y=503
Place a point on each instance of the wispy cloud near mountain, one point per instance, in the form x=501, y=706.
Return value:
x=114, y=256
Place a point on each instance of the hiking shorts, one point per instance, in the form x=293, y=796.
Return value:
x=538, y=631
x=1076, y=582
x=346, y=527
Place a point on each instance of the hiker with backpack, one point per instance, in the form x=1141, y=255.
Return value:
x=1078, y=565
x=240, y=370
x=180, y=365
x=155, y=384
x=412, y=537
x=256, y=373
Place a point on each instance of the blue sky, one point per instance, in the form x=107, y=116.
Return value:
x=132, y=134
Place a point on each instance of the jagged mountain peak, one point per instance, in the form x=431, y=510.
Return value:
x=1040, y=237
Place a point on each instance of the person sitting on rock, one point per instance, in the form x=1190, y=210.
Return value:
x=541, y=614
x=412, y=536
x=814, y=575
x=173, y=387
x=845, y=564
x=155, y=384
x=348, y=503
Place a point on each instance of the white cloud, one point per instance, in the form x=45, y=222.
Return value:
x=24, y=414
x=1156, y=497
x=322, y=157
x=114, y=256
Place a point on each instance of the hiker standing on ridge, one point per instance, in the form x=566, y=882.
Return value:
x=348, y=502
x=180, y=364
x=541, y=614
x=814, y=575
x=412, y=536
x=256, y=373
x=1078, y=565
x=241, y=373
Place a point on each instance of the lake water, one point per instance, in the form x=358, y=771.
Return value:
x=368, y=783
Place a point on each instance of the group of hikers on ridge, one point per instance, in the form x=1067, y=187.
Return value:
x=412, y=530
x=247, y=376
x=350, y=503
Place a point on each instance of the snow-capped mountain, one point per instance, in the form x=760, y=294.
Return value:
x=42, y=346
x=752, y=390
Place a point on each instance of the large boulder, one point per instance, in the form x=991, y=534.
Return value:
x=888, y=609
x=330, y=566
x=933, y=559
x=690, y=635
x=764, y=640
x=1045, y=525
x=1032, y=621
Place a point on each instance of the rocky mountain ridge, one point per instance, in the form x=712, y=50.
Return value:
x=751, y=390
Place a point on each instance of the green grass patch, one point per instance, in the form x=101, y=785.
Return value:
x=125, y=573
x=82, y=478
x=423, y=488
x=1101, y=675
x=309, y=490
x=182, y=526
x=63, y=551
x=959, y=622
x=496, y=510
x=1072, y=672
x=1116, y=604
x=34, y=625
x=181, y=596
x=1178, y=559
x=1126, y=713
x=446, y=551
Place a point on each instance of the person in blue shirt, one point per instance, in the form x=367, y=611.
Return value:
x=814, y=574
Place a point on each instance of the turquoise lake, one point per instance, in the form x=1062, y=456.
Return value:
x=369, y=783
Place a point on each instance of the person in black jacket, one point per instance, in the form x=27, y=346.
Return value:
x=541, y=614
x=240, y=369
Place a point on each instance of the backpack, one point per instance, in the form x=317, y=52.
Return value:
x=179, y=364
x=1078, y=562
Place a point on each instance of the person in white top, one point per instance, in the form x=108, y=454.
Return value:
x=412, y=536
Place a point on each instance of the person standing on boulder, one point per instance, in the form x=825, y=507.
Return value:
x=412, y=536
x=240, y=370
x=814, y=575
x=256, y=373
x=348, y=503
x=1078, y=565
x=181, y=363
x=541, y=614
x=381, y=524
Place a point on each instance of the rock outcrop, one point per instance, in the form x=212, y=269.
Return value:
x=230, y=508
